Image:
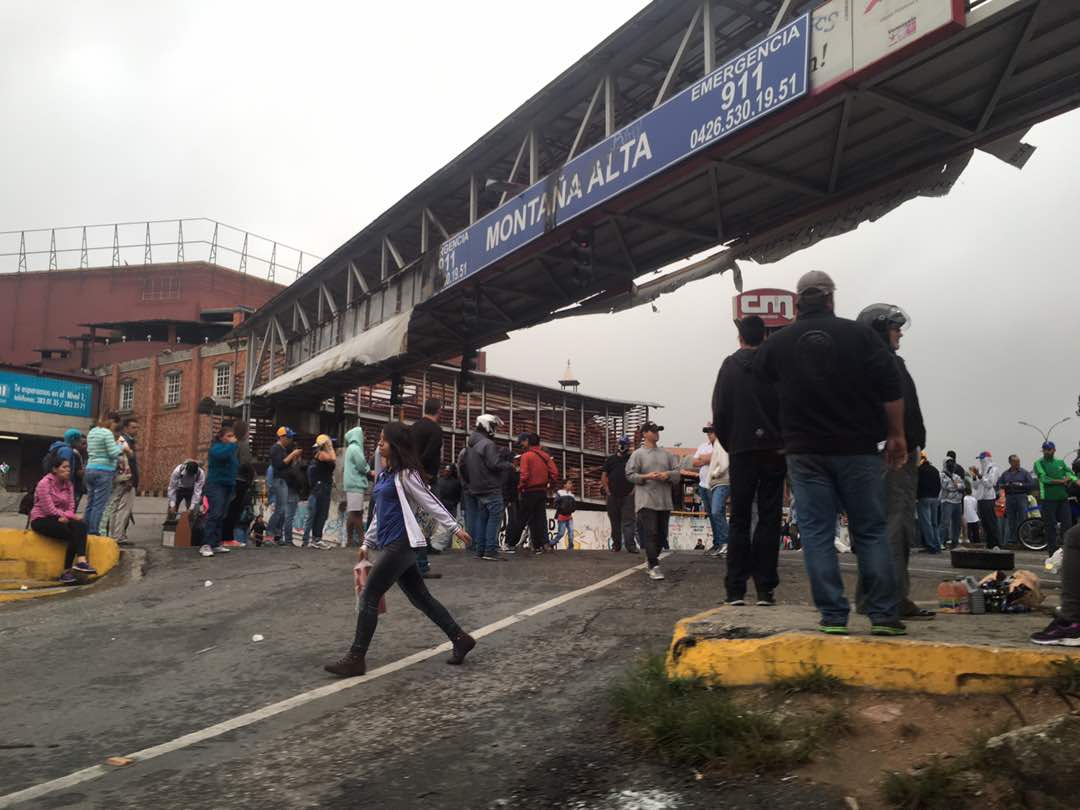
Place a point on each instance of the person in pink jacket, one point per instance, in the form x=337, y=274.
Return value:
x=54, y=516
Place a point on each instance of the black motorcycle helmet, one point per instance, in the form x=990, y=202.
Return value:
x=883, y=317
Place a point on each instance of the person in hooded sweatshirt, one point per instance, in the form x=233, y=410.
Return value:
x=356, y=483
x=68, y=449
x=483, y=472
x=746, y=421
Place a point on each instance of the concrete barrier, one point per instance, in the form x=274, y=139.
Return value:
x=748, y=647
x=30, y=563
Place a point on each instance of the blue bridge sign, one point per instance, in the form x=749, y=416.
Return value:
x=740, y=92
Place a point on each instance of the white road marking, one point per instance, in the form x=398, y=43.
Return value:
x=216, y=730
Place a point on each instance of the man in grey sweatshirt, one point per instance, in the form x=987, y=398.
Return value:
x=652, y=470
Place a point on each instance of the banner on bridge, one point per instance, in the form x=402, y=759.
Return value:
x=742, y=91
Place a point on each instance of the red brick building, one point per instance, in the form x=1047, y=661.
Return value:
x=41, y=310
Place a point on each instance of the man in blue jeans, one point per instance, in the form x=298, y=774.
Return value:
x=282, y=458
x=927, y=504
x=840, y=397
x=483, y=472
x=1018, y=484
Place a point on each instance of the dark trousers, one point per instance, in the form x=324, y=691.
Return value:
x=397, y=563
x=988, y=519
x=654, y=529
x=620, y=512
x=973, y=532
x=1057, y=519
x=322, y=509
x=1070, y=577
x=185, y=495
x=73, y=532
x=757, y=475
x=532, y=512
x=236, y=508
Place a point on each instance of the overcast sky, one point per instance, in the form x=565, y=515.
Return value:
x=305, y=121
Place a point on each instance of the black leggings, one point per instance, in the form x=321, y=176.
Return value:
x=397, y=563
x=73, y=532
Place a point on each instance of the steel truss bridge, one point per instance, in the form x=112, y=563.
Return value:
x=380, y=304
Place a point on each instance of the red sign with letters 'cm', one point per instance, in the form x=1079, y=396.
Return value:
x=775, y=307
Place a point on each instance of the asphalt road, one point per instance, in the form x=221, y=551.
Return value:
x=522, y=724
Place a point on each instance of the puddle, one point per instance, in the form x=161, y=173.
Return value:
x=631, y=800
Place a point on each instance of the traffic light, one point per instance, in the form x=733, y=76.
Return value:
x=397, y=390
x=582, y=246
x=470, y=310
x=466, y=381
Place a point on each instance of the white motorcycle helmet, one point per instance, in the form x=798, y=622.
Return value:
x=488, y=423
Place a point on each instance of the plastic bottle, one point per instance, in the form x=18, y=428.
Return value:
x=952, y=596
x=976, y=597
x=963, y=600
x=944, y=594
x=1053, y=562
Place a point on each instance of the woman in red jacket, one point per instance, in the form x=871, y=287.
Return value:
x=54, y=516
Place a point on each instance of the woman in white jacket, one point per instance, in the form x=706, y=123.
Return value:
x=394, y=530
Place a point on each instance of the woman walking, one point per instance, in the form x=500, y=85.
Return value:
x=221, y=469
x=53, y=515
x=104, y=448
x=394, y=530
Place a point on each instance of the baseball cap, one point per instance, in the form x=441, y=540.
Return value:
x=651, y=427
x=985, y=454
x=815, y=280
x=1049, y=446
x=624, y=441
x=708, y=428
x=285, y=431
x=322, y=439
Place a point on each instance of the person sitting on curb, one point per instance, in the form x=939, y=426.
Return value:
x=53, y=515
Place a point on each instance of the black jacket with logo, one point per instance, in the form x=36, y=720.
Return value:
x=745, y=408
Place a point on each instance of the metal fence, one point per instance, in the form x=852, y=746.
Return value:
x=158, y=241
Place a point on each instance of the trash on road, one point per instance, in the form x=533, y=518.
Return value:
x=207, y=584
x=24, y=587
x=206, y=649
x=119, y=761
x=257, y=637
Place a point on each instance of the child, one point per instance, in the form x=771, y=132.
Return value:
x=564, y=511
x=971, y=516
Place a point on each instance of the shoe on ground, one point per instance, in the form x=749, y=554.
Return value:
x=493, y=557
x=206, y=551
x=916, y=613
x=833, y=629
x=766, y=599
x=83, y=568
x=67, y=578
x=1058, y=633
x=463, y=645
x=507, y=550
x=433, y=550
x=538, y=552
x=430, y=575
x=350, y=666
x=894, y=627
x=220, y=549
x=321, y=545
x=735, y=601
x=234, y=544
x=297, y=543
x=656, y=573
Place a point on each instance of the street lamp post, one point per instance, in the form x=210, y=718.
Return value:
x=1044, y=433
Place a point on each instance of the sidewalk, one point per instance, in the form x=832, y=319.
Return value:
x=952, y=654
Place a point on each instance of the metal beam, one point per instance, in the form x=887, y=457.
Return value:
x=495, y=305
x=299, y=310
x=668, y=226
x=841, y=137
x=435, y=221
x=253, y=376
x=676, y=59
x=400, y=262
x=1010, y=66
x=919, y=113
x=709, y=36
x=621, y=239
x=281, y=336
x=516, y=166
x=330, y=302
x=609, y=106
x=474, y=198
x=585, y=121
x=714, y=189
x=781, y=15
x=359, y=278
x=551, y=277
x=774, y=177
x=534, y=157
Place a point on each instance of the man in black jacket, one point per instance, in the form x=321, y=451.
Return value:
x=840, y=396
x=747, y=422
x=926, y=500
x=901, y=485
x=427, y=440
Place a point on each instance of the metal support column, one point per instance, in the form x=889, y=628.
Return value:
x=709, y=32
x=609, y=106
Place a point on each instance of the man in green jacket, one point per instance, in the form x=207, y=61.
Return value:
x=1053, y=474
x=355, y=482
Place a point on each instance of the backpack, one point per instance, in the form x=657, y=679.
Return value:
x=565, y=505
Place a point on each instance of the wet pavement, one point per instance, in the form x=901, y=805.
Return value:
x=522, y=724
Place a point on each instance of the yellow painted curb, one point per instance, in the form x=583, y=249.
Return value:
x=31, y=559
x=891, y=664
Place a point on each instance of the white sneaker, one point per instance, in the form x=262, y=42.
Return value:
x=206, y=551
x=656, y=573
x=221, y=550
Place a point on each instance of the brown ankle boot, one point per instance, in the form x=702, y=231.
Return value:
x=462, y=645
x=350, y=666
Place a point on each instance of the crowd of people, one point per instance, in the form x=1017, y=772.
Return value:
x=825, y=408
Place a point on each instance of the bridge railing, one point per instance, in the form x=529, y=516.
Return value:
x=156, y=241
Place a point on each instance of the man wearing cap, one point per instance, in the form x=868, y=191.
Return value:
x=1018, y=484
x=713, y=487
x=840, y=395
x=746, y=413
x=534, y=478
x=1053, y=475
x=652, y=470
x=620, y=498
x=984, y=487
x=286, y=495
